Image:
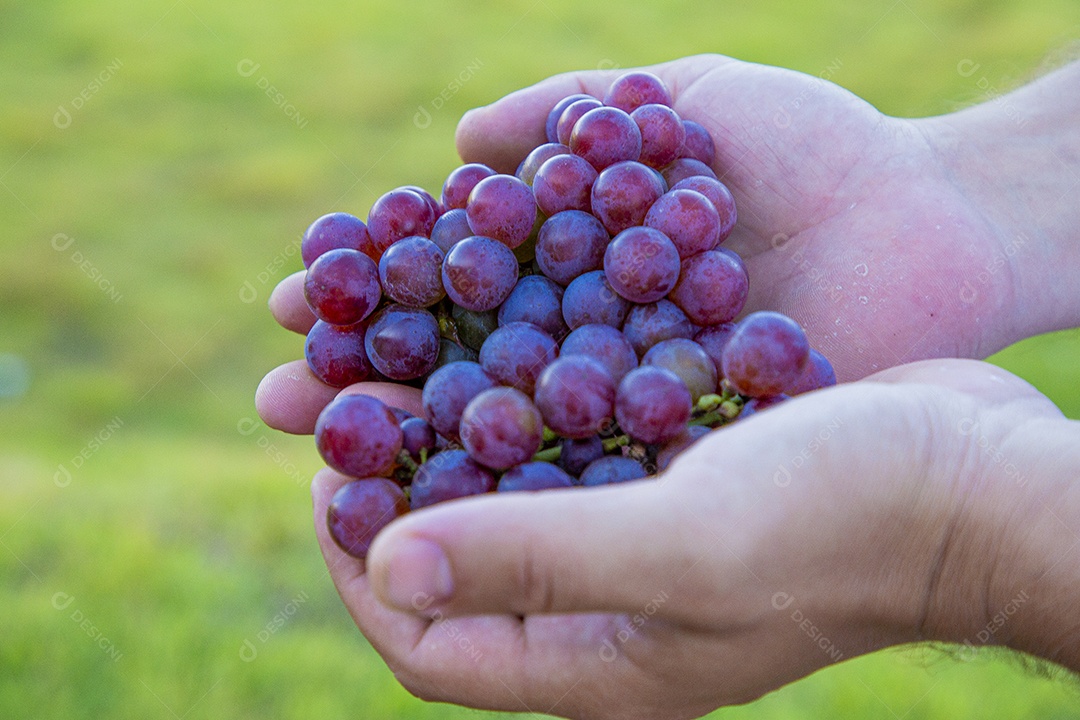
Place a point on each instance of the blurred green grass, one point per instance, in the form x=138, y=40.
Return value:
x=183, y=530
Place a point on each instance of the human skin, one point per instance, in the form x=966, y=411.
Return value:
x=942, y=490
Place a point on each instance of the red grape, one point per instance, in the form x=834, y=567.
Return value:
x=357, y=435
x=652, y=404
x=342, y=286
x=501, y=428
x=360, y=509
x=765, y=355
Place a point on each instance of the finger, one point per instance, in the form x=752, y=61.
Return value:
x=288, y=306
x=502, y=134
x=402, y=397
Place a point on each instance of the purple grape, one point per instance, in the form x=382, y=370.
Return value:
x=526, y=171
x=452, y=227
x=360, y=509
x=611, y=469
x=649, y=324
x=604, y=344
x=399, y=214
x=501, y=428
x=537, y=300
x=719, y=195
x=448, y=391
x=623, y=193
x=402, y=342
x=641, y=264
x=502, y=207
x=564, y=182
x=534, y=476
x=332, y=232
x=684, y=168
x=652, y=404
x=712, y=340
x=712, y=288
x=460, y=182
x=416, y=435
x=662, y=134
x=574, y=455
x=473, y=327
x=590, y=299
x=689, y=220
x=449, y=475
x=570, y=243
x=605, y=136
x=342, y=286
x=411, y=272
x=400, y=415
x=817, y=374
x=634, y=89
x=434, y=205
x=479, y=273
x=517, y=353
x=551, y=126
x=335, y=353
x=688, y=361
x=765, y=355
x=698, y=144
x=573, y=112
x=357, y=435
x=576, y=396
x=674, y=447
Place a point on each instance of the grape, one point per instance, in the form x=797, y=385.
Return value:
x=623, y=193
x=759, y=404
x=517, y=353
x=433, y=204
x=698, y=144
x=551, y=126
x=662, y=134
x=450, y=228
x=357, y=435
x=634, y=89
x=649, y=324
x=478, y=273
x=718, y=194
x=526, y=171
x=570, y=243
x=611, y=469
x=398, y=214
x=473, y=327
x=641, y=264
x=334, y=231
x=574, y=455
x=502, y=207
x=590, y=299
x=534, y=476
x=460, y=182
x=411, y=272
x=765, y=355
x=576, y=395
x=604, y=344
x=818, y=373
x=360, y=509
x=450, y=352
x=712, y=340
x=690, y=435
x=688, y=361
x=573, y=112
x=416, y=435
x=402, y=342
x=712, y=288
x=652, y=404
x=537, y=300
x=449, y=475
x=448, y=391
x=564, y=182
x=400, y=415
x=684, y=168
x=501, y=427
x=335, y=353
x=342, y=286
x=605, y=136
x=689, y=220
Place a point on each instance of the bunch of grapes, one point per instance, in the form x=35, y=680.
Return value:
x=569, y=325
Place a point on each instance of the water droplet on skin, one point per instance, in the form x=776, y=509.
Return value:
x=863, y=299
x=862, y=270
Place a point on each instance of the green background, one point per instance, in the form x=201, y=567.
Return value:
x=181, y=188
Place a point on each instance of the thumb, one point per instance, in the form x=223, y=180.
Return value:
x=577, y=550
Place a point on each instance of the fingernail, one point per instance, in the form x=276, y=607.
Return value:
x=419, y=575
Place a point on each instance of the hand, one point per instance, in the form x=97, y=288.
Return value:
x=837, y=523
